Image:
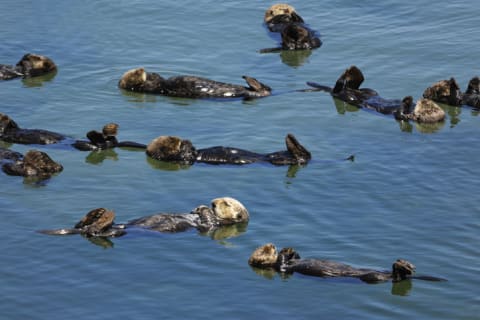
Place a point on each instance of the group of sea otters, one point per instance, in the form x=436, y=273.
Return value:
x=223, y=212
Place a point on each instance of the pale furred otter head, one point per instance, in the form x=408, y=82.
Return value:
x=171, y=148
x=277, y=10
x=427, y=111
x=133, y=79
x=35, y=65
x=228, y=210
x=6, y=123
x=444, y=91
x=110, y=129
x=264, y=256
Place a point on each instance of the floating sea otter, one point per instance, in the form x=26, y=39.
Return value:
x=295, y=34
x=139, y=80
x=175, y=149
x=289, y=261
x=35, y=164
x=347, y=88
x=100, y=222
x=12, y=133
x=31, y=65
x=448, y=92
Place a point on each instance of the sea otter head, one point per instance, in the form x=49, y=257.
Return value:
x=285, y=11
x=427, y=111
x=35, y=65
x=110, y=130
x=264, y=257
x=6, y=123
x=228, y=211
x=444, y=91
x=38, y=163
x=133, y=79
x=402, y=269
x=170, y=148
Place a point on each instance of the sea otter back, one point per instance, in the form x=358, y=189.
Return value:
x=227, y=155
x=198, y=87
x=166, y=222
x=325, y=268
x=32, y=136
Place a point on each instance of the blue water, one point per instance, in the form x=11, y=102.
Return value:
x=409, y=193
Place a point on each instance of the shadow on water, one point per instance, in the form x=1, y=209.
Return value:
x=219, y=234
x=38, y=81
x=401, y=288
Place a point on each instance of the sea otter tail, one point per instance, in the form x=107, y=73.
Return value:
x=318, y=87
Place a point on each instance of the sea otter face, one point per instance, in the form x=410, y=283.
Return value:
x=6, y=123
x=170, y=148
x=229, y=210
x=264, y=256
x=133, y=79
x=277, y=10
x=110, y=129
x=427, y=111
x=36, y=65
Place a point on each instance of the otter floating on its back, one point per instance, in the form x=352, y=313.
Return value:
x=31, y=65
x=289, y=261
x=12, y=133
x=295, y=34
x=175, y=149
x=138, y=80
x=100, y=222
x=347, y=88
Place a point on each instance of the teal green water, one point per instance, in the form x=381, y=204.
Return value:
x=409, y=194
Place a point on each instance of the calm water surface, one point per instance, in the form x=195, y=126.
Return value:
x=410, y=193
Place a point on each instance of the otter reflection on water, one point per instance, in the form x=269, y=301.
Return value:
x=224, y=212
x=295, y=35
x=347, y=88
x=31, y=65
x=139, y=80
x=288, y=261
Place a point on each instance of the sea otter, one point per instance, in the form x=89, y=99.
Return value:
x=139, y=80
x=347, y=88
x=289, y=261
x=34, y=164
x=12, y=133
x=175, y=149
x=294, y=33
x=31, y=65
x=100, y=222
x=448, y=92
